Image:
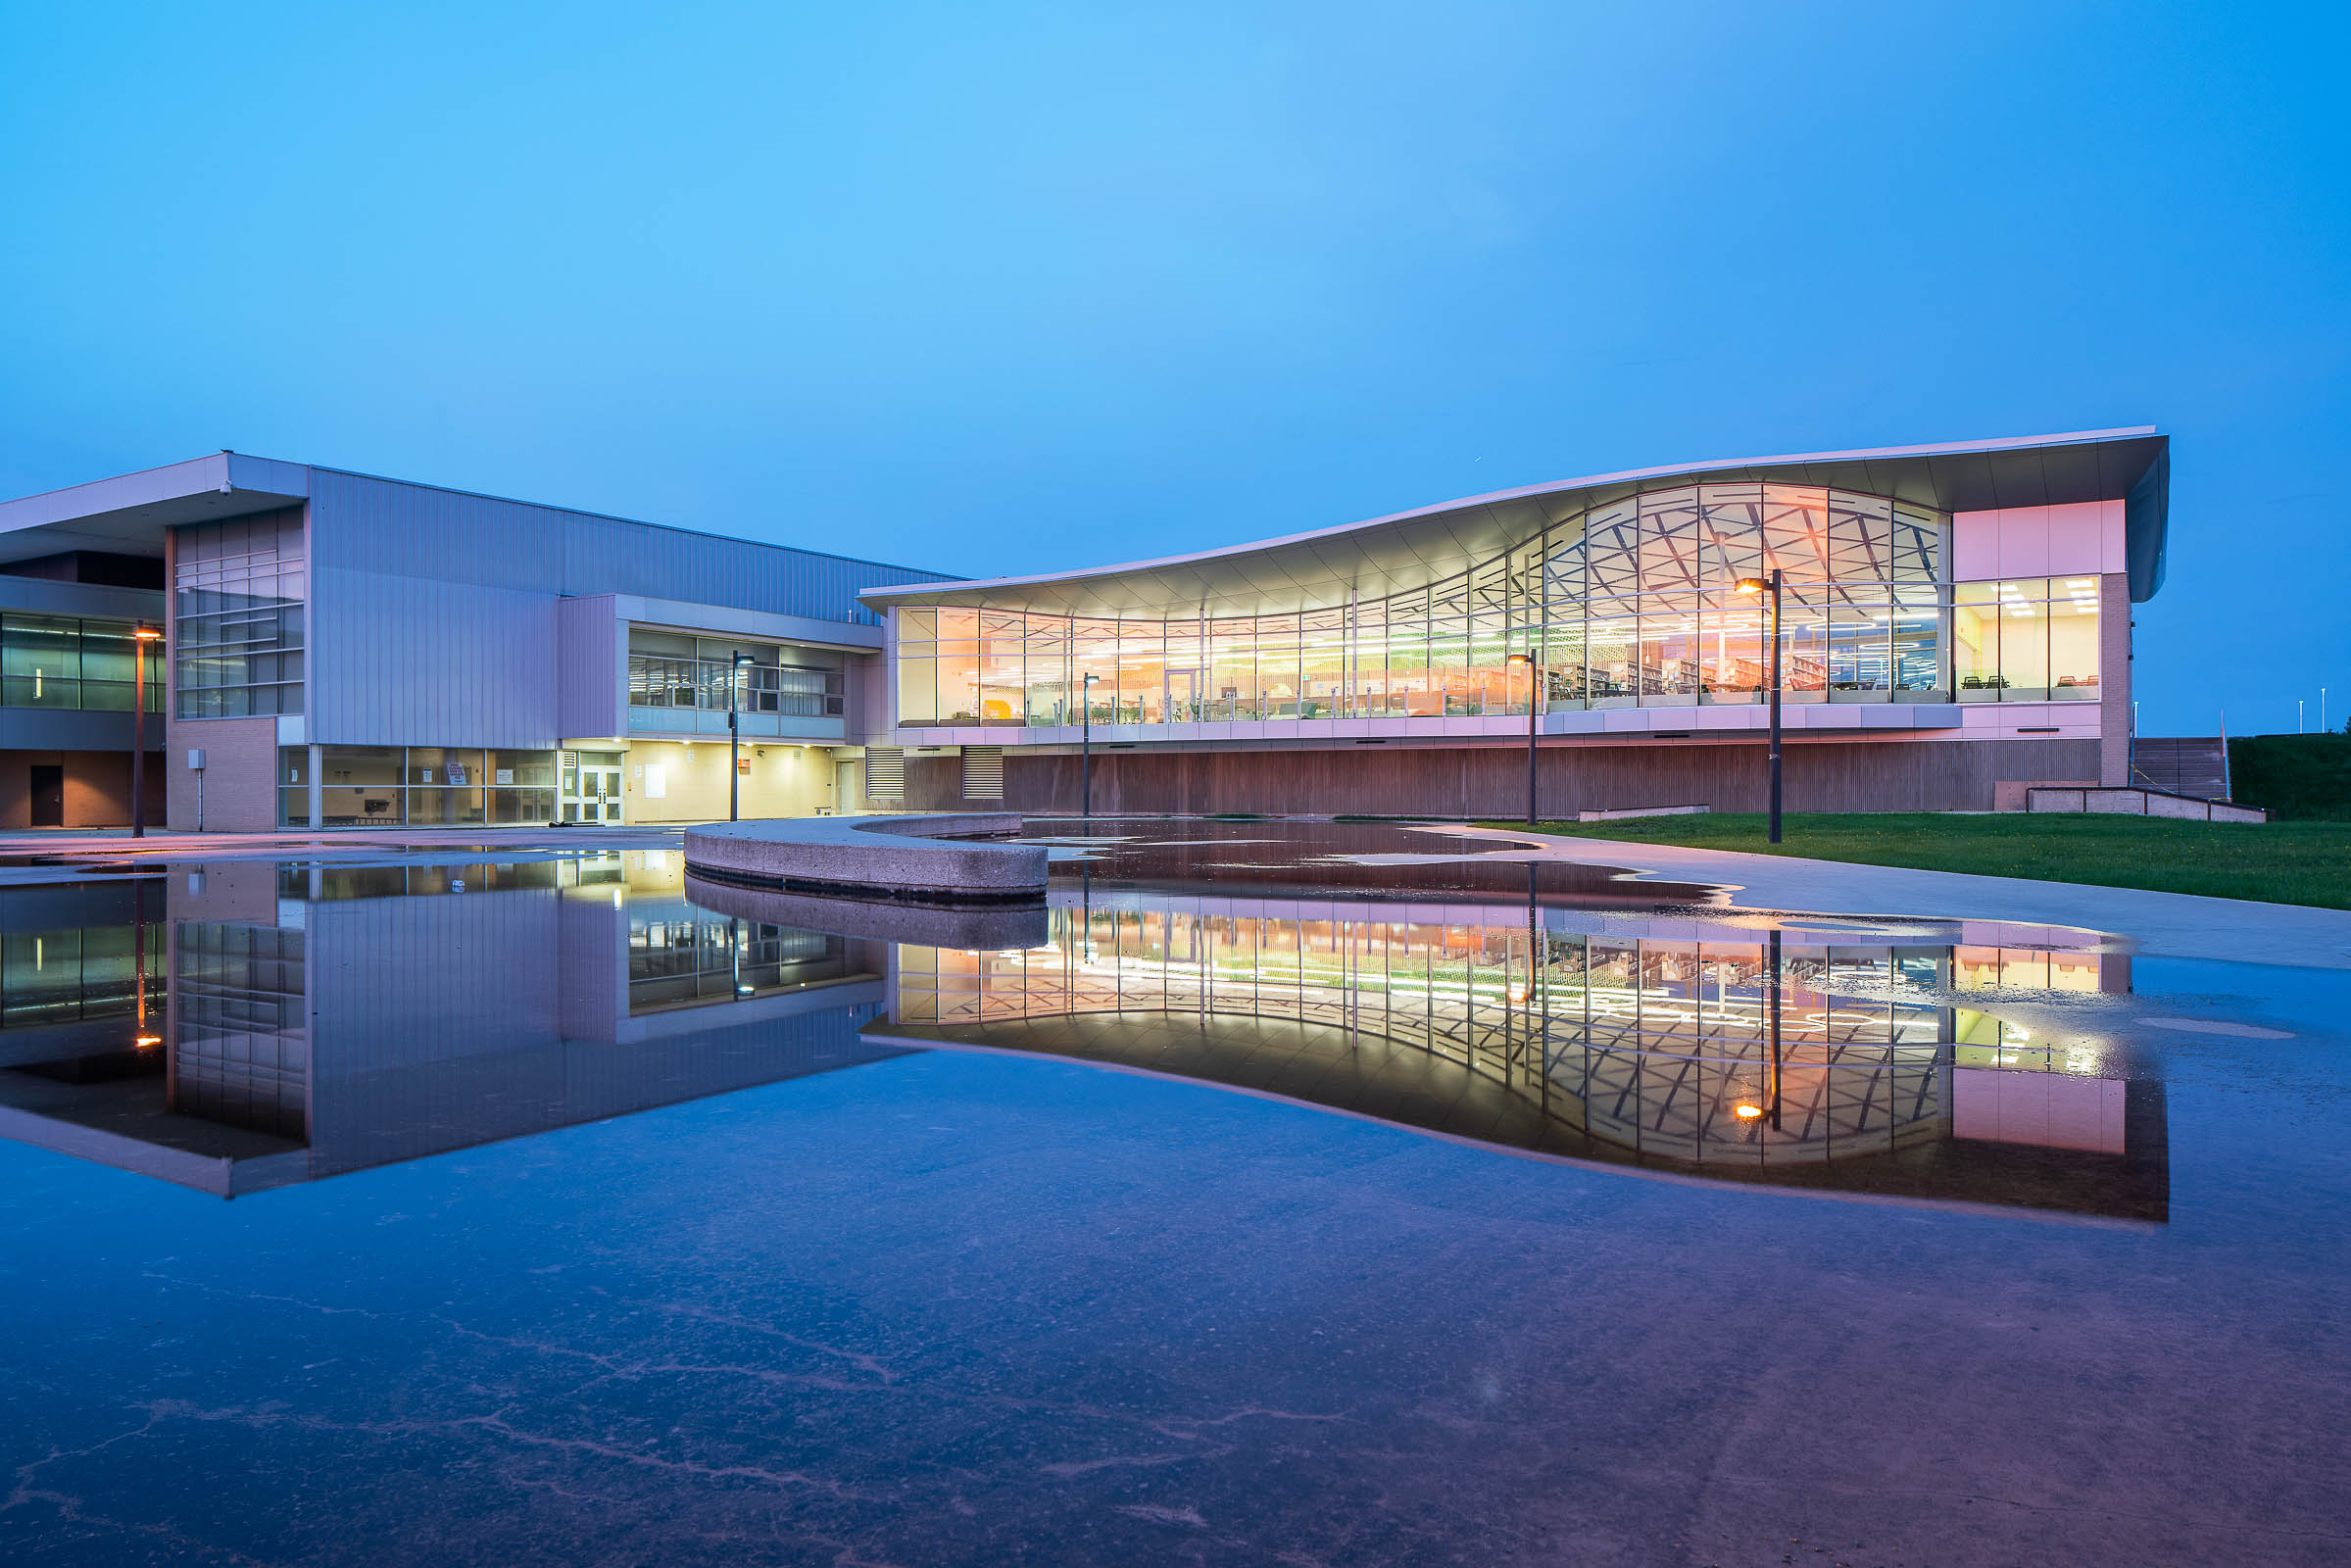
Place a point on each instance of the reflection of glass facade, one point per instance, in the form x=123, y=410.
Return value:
x=236, y=613
x=68, y=662
x=241, y=1055
x=76, y=974
x=683, y=956
x=1631, y=604
x=1652, y=1047
x=2031, y=640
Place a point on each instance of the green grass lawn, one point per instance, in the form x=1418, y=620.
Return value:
x=2282, y=862
x=2302, y=778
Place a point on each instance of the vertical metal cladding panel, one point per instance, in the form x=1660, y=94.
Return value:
x=431, y=1019
x=402, y=661
x=432, y=612
x=612, y=556
x=589, y=668
x=432, y=617
x=722, y=1057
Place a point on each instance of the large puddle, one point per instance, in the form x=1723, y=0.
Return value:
x=668, y=1215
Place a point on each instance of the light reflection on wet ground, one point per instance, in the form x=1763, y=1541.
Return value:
x=665, y=1223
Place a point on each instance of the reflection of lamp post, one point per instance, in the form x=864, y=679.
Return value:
x=1758, y=585
x=1086, y=711
x=734, y=742
x=1748, y=1110
x=140, y=1039
x=1775, y=1005
x=140, y=637
x=1528, y=660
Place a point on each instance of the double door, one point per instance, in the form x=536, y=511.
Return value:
x=591, y=787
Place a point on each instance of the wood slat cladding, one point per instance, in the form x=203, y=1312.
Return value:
x=1492, y=781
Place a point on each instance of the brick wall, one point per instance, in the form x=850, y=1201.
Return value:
x=97, y=787
x=2114, y=680
x=240, y=774
x=1492, y=781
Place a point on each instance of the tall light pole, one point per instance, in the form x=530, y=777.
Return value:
x=140, y=636
x=1771, y=585
x=1086, y=711
x=734, y=742
x=1528, y=660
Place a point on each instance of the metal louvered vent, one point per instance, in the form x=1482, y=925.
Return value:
x=886, y=773
x=982, y=772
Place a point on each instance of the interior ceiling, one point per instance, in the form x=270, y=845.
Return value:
x=1414, y=549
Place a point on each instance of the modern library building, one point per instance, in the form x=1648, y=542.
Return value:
x=342, y=650
x=1954, y=623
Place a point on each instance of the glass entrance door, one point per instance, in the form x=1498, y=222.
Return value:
x=590, y=786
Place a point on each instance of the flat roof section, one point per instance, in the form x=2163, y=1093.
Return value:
x=127, y=514
x=1408, y=550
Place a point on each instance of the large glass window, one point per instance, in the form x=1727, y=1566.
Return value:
x=2074, y=639
x=1277, y=666
x=1628, y=603
x=64, y=662
x=2031, y=639
x=419, y=786
x=2025, y=640
x=237, y=616
x=675, y=669
x=1976, y=641
x=1233, y=669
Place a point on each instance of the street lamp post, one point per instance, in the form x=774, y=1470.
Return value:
x=734, y=742
x=1086, y=713
x=1771, y=585
x=140, y=637
x=1528, y=660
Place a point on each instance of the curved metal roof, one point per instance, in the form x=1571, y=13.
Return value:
x=1409, y=550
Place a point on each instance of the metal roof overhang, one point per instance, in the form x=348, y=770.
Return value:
x=1410, y=549
x=127, y=514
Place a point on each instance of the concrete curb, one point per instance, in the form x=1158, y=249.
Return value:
x=933, y=860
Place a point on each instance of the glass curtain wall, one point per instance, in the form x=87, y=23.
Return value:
x=237, y=621
x=63, y=662
x=1625, y=604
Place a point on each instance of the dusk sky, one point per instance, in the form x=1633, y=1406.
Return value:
x=1009, y=289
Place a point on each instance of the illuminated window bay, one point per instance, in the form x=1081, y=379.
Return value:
x=1631, y=604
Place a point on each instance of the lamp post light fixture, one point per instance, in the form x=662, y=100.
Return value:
x=734, y=742
x=1771, y=585
x=1086, y=719
x=1533, y=672
x=140, y=636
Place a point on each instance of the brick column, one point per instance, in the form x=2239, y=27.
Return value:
x=2114, y=680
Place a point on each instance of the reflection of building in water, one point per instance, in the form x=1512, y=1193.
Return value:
x=308, y=1020
x=1659, y=1042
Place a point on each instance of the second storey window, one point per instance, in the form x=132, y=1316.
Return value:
x=237, y=621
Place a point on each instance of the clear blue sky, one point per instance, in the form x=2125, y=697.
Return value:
x=1015, y=287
